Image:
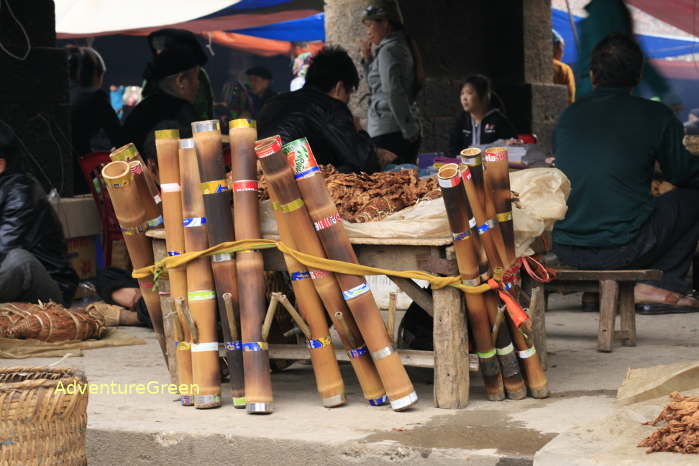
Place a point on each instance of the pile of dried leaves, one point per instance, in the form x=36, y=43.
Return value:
x=680, y=434
x=360, y=197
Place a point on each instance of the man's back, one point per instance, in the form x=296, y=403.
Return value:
x=607, y=144
x=158, y=111
x=326, y=122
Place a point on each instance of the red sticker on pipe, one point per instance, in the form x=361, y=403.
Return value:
x=244, y=185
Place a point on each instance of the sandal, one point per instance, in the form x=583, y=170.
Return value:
x=671, y=305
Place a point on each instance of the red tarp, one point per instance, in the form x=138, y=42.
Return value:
x=683, y=14
x=676, y=69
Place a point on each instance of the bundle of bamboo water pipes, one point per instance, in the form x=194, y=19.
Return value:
x=197, y=203
x=479, y=209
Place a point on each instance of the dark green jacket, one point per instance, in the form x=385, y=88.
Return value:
x=607, y=144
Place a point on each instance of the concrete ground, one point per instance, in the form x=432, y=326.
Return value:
x=154, y=429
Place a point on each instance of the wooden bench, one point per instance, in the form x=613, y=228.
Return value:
x=615, y=288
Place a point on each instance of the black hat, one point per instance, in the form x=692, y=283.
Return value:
x=163, y=39
x=260, y=71
x=174, y=59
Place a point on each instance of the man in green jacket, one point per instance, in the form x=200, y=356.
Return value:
x=608, y=143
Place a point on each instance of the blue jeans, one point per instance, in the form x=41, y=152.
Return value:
x=667, y=242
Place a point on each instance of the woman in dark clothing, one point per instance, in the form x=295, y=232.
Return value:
x=483, y=120
x=90, y=109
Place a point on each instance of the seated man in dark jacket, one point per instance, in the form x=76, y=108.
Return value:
x=33, y=255
x=170, y=106
x=320, y=113
x=607, y=143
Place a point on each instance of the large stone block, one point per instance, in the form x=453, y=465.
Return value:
x=42, y=77
x=36, y=17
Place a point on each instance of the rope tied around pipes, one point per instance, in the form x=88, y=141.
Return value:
x=157, y=269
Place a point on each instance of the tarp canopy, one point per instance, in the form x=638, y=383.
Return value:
x=655, y=46
x=683, y=14
x=263, y=27
x=307, y=29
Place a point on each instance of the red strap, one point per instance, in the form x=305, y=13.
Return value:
x=514, y=310
x=537, y=270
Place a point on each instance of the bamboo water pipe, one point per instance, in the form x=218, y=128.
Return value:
x=281, y=180
x=355, y=290
x=167, y=147
x=249, y=265
x=217, y=203
x=201, y=297
x=132, y=219
x=458, y=213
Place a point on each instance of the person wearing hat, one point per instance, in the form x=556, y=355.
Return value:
x=259, y=80
x=389, y=59
x=562, y=73
x=162, y=39
x=175, y=72
x=691, y=127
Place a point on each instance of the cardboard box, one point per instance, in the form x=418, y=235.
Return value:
x=82, y=253
x=78, y=216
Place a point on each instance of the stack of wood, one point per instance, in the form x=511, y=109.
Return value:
x=680, y=434
x=360, y=197
x=49, y=322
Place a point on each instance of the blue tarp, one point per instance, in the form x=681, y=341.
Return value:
x=247, y=5
x=307, y=29
x=655, y=46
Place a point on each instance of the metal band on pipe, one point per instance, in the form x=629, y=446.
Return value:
x=187, y=143
x=206, y=125
x=382, y=353
x=527, y=353
x=327, y=222
x=170, y=187
x=506, y=350
x=234, y=345
x=223, y=257
x=214, y=187
x=357, y=352
x=202, y=295
x=402, y=403
x=201, y=347
x=461, y=236
x=300, y=276
x=255, y=346
x=356, y=291
x=380, y=401
x=504, y=216
x=155, y=222
x=317, y=343
x=191, y=222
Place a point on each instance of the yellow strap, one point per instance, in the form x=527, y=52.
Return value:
x=309, y=261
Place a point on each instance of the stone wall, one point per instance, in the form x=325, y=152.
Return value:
x=508, y=40
x=34, y=99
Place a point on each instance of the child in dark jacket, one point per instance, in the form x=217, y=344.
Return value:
x=483, y=120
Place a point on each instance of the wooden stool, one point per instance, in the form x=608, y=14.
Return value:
x=616, y=297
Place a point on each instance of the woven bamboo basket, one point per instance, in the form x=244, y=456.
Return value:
x=40, y=422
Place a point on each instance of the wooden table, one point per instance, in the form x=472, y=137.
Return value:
x=450, y=356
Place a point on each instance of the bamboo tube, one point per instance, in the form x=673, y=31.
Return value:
x=497, y=189
x=280, y=179
x=472, y=178
x=132, y=218
x=219, y=220
x=201, y=297
x=355, y=290
x=499, y=198
x=249, y=264
x=147, y=186
x=458, y=213
x=325, y=367
x=167, y=147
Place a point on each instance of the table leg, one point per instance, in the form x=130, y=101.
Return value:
x=451, y=377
